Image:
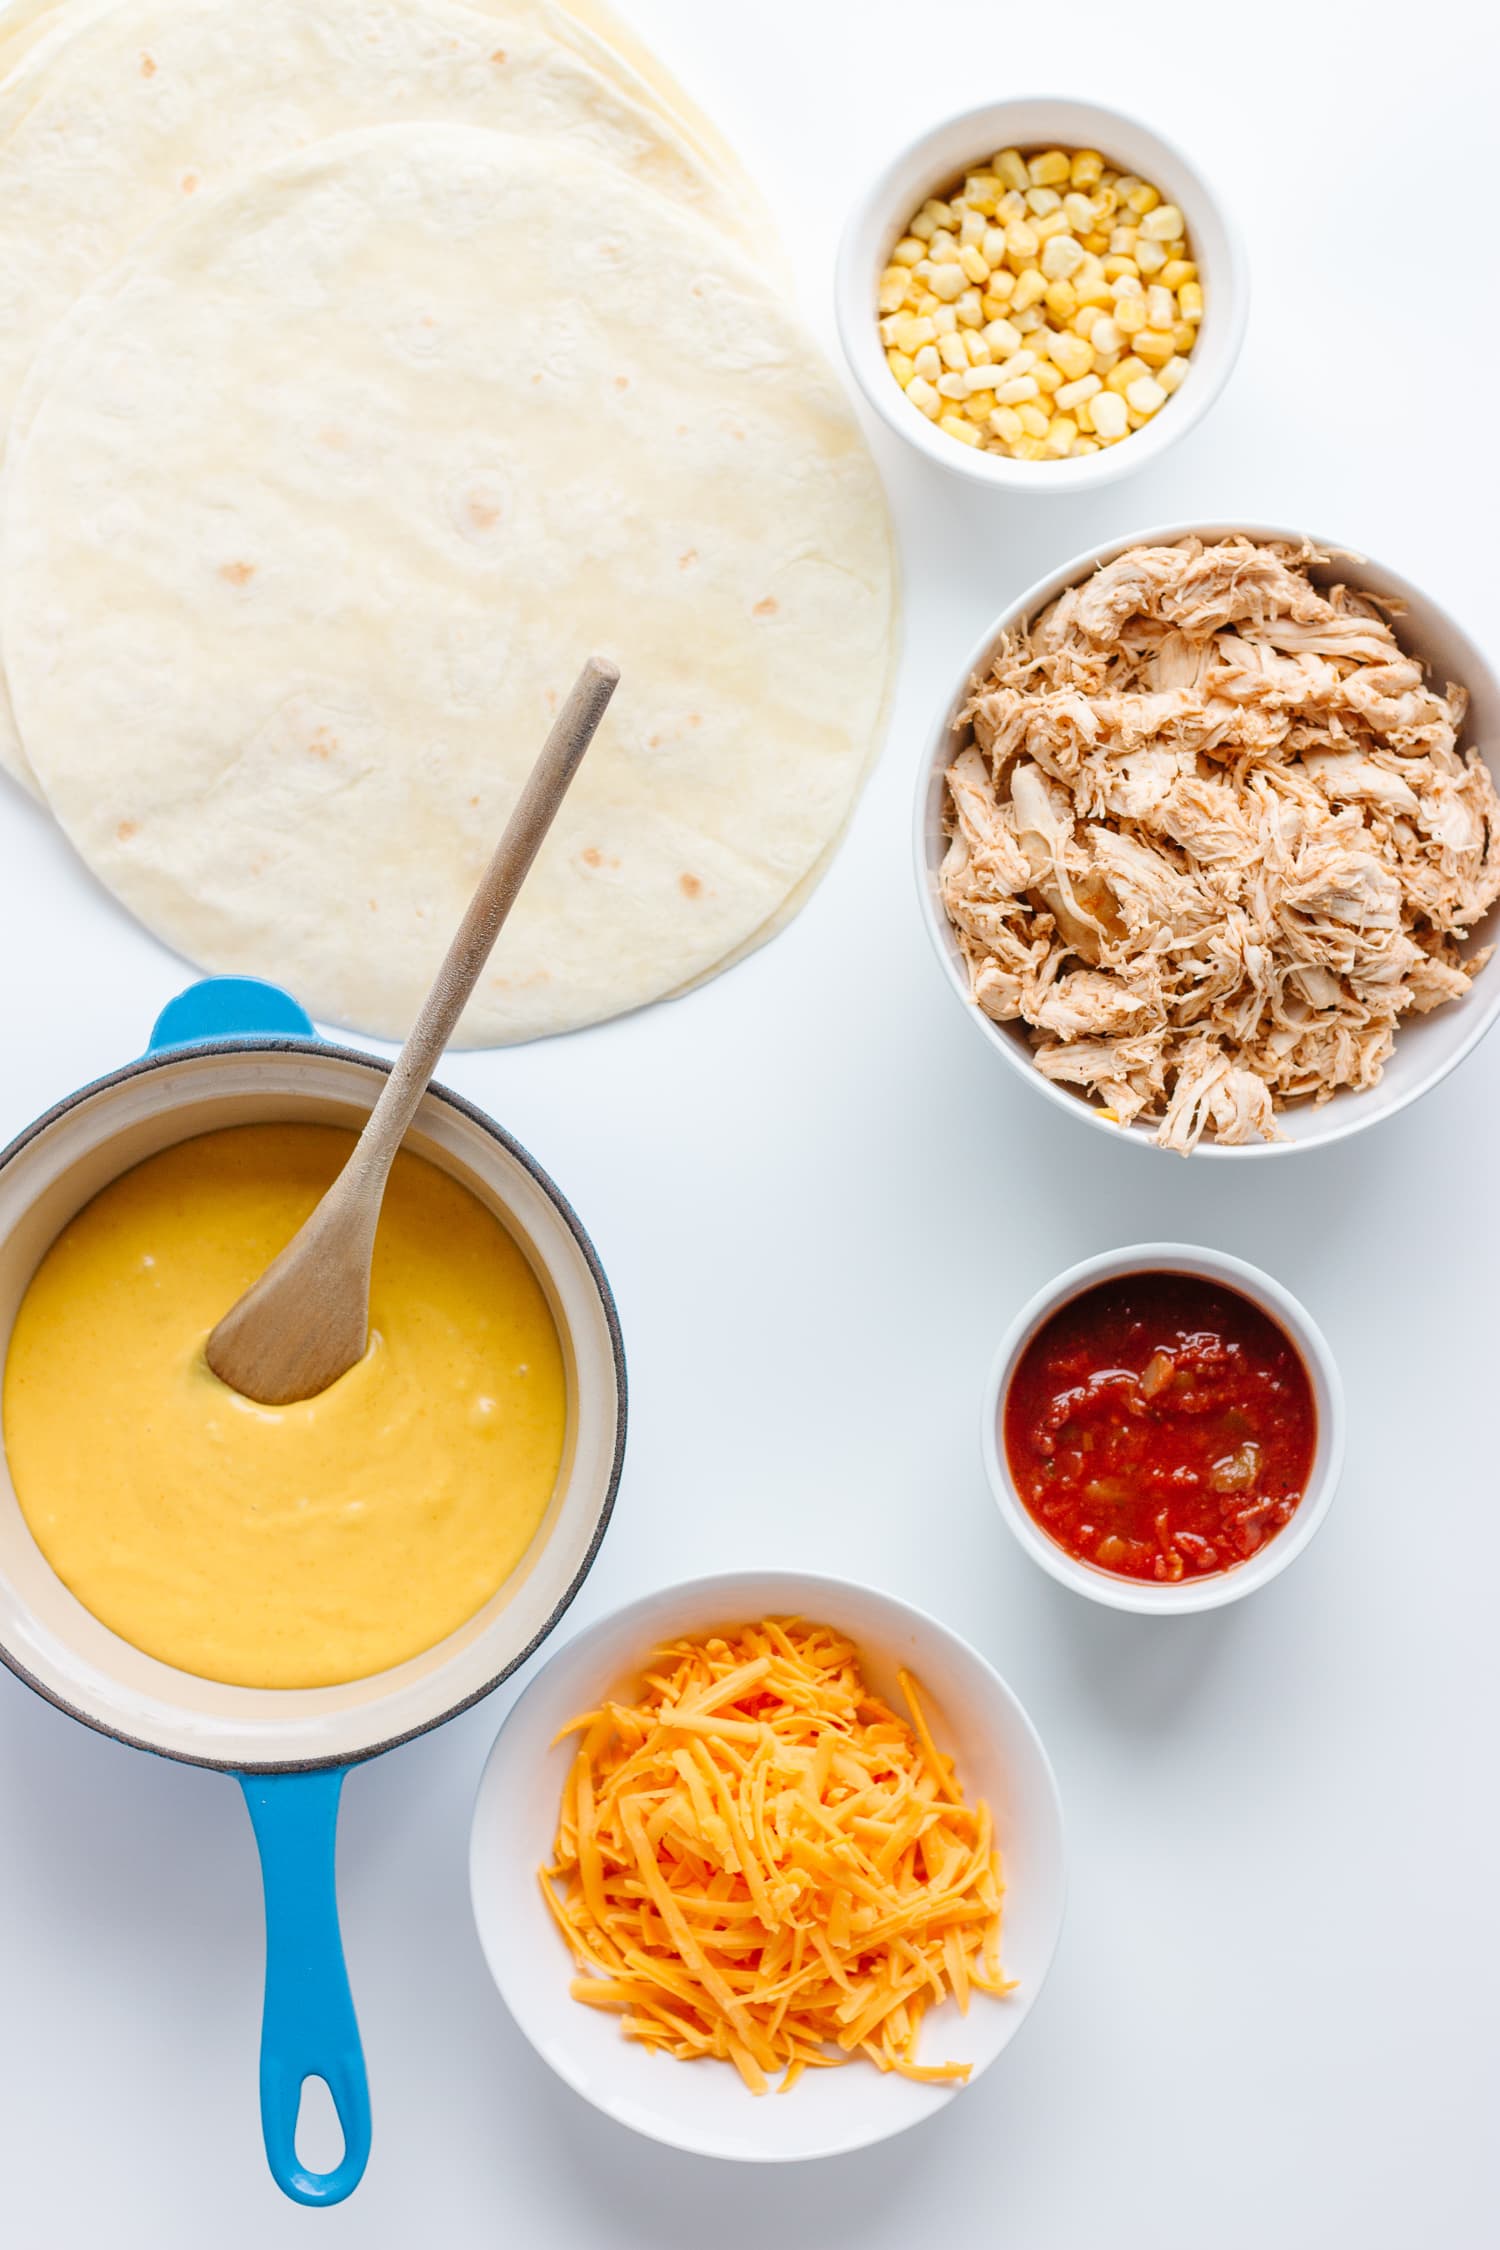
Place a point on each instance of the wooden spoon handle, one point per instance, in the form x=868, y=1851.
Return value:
x=547, y=784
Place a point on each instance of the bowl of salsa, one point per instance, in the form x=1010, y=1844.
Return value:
x=1164, y=1428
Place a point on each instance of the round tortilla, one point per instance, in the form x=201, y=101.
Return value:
x=331, y=490
x=123, y=111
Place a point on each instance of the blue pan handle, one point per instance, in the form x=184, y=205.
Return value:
x=229, y=1008
x=309, y=2029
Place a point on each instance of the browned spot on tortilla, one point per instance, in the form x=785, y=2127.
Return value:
x=148, y=66
x=473, y=800
x=681, y=430
x=374, y=909
x=536, y=378
x=685, y=562
x=484, y=514
x=622, y=382
x=697, y=292
x=766, y=608
x=125, y=831
x=653, y=742
x=694, y=719
x=237, y=573
x=551, y=699
x=189, y=183
x=690, y=886
x=323, y=744
x=498, y=56
x=592, y=856
x=334, y=438
x=736, y=432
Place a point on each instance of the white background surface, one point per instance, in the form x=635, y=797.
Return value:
x=1273, y=2017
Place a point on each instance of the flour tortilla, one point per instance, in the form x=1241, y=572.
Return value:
x=340, y=479
x=125, y=110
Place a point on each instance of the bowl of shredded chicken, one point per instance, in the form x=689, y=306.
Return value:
x=1209, y=843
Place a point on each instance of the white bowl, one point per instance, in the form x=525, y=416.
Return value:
x=1427, y=1047
x=941, y=156
x=703, y=2106
x=1187, y=1595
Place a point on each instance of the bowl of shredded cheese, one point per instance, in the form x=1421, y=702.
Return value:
x=768, y=1866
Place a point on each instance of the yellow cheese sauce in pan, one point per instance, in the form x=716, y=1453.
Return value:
x=290, y=1546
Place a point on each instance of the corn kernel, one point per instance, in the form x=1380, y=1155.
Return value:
x=953, y=383
x=1078, y=211
x=1153, y=345
x=1011, y=206
x=1184, y=335
x=1146, y=395
x=1040, y=201
x=978, y=350
x=925, y=395
x=1006, y=424
x=1125, y=185
x=975, y=266
x=992, y=248
x=1073, y=354
x=908, y=250
x=890, y=329
x=1108, y=415
x=1107, y=336
x=981, y=188
x=1029, y=290
x=1028, y=449
x=1096, y=240
x=1062, y=255
x=1161, y=306
x=998, y=295
x=1074, y=394
x=1170, y=377
x=979, y=407
x=1061, y=300
x=1129, y=370
x=1014, y=388
x=1081, y=447
x=971, y=230
x=1117, y=268
x=901, y=367
x=948, y=282
x=1176, y=271
x=1161, y=222
x=1091, y=288
x=928, y=364
x=1060, y=435
x=970, y=309
x=1144, y=200
x=1035, y=420
x=912, y=331
x=1122, y=241
x=1029, y=319
x=1053, y=224
x=951, y=351
x=1190, y=301
x=957, y=427
x=1010, y=164
x=1002, y=337
x=1050, y=169
x=1021, y=240
x=1130, y=314
x=1086, y=320
x=1087, y=168
x=1150, y=258
x=943, y=248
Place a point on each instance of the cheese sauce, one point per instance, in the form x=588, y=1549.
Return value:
x=281, y=1546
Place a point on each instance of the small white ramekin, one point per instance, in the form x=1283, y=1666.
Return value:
x=1041, y=121
x=1188, y=1594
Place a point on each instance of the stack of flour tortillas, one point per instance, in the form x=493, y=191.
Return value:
x=364, y=364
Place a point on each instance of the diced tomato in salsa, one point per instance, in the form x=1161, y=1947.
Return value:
x=1161, y=1426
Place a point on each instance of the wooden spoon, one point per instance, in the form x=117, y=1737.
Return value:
x=307, y=1320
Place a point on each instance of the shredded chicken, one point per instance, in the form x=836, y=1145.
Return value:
x=1212, y=835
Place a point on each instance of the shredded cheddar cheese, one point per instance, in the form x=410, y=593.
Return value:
x=758, y=1860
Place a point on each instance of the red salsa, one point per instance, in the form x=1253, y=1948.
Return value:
x=1160, y=1426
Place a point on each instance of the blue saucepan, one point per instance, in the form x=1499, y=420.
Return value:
x=229, y=1051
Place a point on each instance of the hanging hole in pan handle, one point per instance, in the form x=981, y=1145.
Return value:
x=309, y=2028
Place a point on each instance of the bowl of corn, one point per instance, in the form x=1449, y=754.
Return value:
x=1041, y=294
